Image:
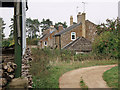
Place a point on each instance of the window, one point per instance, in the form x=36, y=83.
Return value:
x=73, y=35
x=45, y=43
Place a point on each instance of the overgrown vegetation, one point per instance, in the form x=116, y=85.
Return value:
x=33, y=41
x=7, y=43
x=49, y=65
x=111, y=77
x=106, y=43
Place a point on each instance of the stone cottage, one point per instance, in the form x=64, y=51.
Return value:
x=83, y=30
x=76, y=37
x=47, y=40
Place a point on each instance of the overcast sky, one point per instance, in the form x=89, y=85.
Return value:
x=61, y=10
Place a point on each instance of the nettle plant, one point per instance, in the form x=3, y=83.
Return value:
x=106, y=43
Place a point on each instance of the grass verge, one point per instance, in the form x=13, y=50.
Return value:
x=111, y=77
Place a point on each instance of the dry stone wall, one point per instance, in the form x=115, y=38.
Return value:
x=26, y=63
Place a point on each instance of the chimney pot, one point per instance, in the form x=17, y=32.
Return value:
x=79, y=17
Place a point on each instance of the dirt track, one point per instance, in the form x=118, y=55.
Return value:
x=92, y=76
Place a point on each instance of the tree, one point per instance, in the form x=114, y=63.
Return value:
x=111, y=25
x=36, y=25
x=2, y=28
x=12, y=29
x=106, y=43
x=45, y=24
x=57, y=24
x=32, y=27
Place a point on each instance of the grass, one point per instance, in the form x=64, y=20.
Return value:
x=82, y=84
x=50, y=77
x=111, y=77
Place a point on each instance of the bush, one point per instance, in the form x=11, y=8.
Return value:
x=32, y=41
x=106, y=45
x=5, y=43
x=67, y=55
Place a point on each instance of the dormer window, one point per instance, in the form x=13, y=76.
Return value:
x=73, y=35
x=45, y=43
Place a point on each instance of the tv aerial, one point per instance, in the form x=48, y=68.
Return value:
x=84, y=7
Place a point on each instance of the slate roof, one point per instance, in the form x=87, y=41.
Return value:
x=47, y=35
x=67, y=29
x=81, y=44
x=70, y=28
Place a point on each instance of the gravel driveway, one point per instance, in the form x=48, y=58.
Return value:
x=92, y=76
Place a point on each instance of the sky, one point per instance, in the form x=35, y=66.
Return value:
x=96, y=11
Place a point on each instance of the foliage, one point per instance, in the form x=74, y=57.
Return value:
x=32, y=27
x=45, y=24
x=2, y=27
x=110, y=26
x=5, y=43
x=33, y=41
x=111, y=77
x=8, y=42
x=106, y=43
x=63, y=24
x=12, y=42
x=82, y=84
x=11, y=28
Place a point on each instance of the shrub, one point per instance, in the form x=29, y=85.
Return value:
x=5, y=43
x=106, y=44
x=32, y=41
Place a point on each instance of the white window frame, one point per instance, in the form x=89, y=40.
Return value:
x=45, y=43
x=73, y=33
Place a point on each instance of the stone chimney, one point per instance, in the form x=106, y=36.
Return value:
x=83, y=25
x=60, y=27
x=79, y=17
x=71, y=20
x=51, y=28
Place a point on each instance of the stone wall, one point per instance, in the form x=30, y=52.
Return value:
x=26, y=64
x=90, y=31
x=57, y=42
